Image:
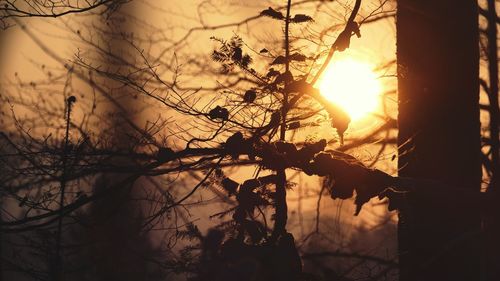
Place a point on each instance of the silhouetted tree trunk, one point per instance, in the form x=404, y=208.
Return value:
x=492, y=218
x=118, y=249
x=438, y=70
x=121, y=249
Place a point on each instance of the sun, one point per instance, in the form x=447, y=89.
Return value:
x=352, y=85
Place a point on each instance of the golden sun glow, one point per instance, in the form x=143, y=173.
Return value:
x=353, y=86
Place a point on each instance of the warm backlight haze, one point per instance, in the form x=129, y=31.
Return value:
x=353, y=86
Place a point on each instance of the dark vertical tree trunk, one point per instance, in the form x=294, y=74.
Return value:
x=121, y=250
x=438, y=70
x=493, y=91
x=492, y=217
x=117, y=247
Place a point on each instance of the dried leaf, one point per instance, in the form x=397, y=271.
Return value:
x=250, y=96
x=340, y=120
x=234, y=144
x=229, y=185
x=219, y=113
x=299, y=18
x=285, y=77
x=297, y=57
x=279, y=60
x=272, y=73
x=343, y=41
x=272, y=13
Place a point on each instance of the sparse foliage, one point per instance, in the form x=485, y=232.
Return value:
x=60, y=181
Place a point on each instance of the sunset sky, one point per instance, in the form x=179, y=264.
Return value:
x=189, y=131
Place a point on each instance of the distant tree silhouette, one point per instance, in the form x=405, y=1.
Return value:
x=117, y=244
